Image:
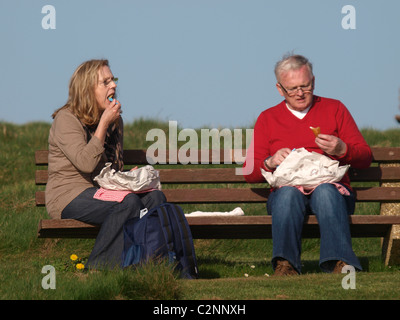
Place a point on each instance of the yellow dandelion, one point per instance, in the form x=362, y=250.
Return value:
x=74, y=257
x=80, y=266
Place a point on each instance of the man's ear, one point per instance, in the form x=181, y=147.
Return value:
x=280, y=89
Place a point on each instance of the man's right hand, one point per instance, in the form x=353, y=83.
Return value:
x=274, y=161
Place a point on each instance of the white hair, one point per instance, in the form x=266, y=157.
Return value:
x=291, y=62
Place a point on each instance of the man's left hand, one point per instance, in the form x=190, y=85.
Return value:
x=331, y=145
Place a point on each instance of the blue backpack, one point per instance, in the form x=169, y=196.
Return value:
x=163, y=232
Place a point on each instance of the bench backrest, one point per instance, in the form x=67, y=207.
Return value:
x=198, y=183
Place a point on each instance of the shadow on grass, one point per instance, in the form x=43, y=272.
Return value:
x=215, y=268
x=312, y=266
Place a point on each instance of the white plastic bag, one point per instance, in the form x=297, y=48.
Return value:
x=306, y=169
x=138, y=180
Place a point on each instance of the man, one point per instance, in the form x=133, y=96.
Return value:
x=286, y=126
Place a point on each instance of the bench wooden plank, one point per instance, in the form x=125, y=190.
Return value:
x=380, y=154
x=228, y=175
x=137, y=156
x=66, y=228
x=375, y=174
x=386, y=154
x=251, y=195
x=233, y=227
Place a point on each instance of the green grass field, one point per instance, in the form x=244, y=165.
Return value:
x=229, y=269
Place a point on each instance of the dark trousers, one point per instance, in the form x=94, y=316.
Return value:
x=111, y=215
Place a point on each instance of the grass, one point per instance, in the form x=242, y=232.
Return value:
x=229, y=269
x=315, y=286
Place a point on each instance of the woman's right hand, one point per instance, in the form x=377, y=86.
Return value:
x=111, y=113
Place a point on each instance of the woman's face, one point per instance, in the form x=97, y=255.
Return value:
x=105, y=87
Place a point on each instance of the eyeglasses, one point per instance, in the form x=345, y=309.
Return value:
x=292, y=92
x=107, y=82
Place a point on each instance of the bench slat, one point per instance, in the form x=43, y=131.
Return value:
x=251, y=195
x=380, y=154
x=386, y=154
x=66, y=228
x=255, y=195
x=234, y=227
x=228, y=175
x=138, y=156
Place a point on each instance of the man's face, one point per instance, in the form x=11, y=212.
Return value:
x=301, y=79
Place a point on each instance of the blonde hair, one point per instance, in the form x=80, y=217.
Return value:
x=81, y=97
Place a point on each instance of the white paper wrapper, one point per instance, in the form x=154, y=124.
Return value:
x=307, y=169
x=141, y=179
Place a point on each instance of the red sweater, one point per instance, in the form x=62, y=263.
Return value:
x=278, y=128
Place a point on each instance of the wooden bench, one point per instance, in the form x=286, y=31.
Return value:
x=195, y=184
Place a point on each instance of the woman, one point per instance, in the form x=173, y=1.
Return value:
x=86, y=133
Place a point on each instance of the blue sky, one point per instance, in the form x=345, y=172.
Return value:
x=201, y=63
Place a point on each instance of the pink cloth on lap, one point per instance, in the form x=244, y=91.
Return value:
x=114, y=195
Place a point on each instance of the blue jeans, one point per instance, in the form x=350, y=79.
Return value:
x=288, y=207
x=111, y=215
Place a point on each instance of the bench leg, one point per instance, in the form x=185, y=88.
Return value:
x=391, y=247
x=391, y=243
